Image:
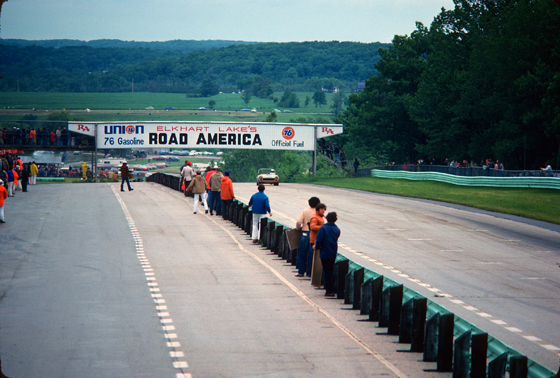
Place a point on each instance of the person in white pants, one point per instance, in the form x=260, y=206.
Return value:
x=198, y=186
x=260, y=207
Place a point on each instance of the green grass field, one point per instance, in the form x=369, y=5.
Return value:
x=539, y=204
x=139, y=101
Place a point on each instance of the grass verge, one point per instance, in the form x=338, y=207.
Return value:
x=539, y=204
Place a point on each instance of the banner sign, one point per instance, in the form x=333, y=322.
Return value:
x=225, y=135
x=82, y=128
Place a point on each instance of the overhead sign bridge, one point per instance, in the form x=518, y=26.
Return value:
x=224, y=135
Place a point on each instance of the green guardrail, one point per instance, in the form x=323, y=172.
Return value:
x=50, y=179
x=495, y=347
x=498, y=182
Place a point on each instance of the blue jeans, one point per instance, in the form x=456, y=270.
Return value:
x=305, y=254
x=215, y=202
x=225, y=208
x=127, y=182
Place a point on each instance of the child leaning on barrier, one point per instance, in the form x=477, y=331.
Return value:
x=327, y=244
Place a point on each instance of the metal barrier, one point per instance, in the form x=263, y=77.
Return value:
x=426, y=325
x=542, y=182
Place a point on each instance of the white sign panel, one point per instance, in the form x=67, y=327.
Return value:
x=82, y=128
x=267, y=136
x=324, y=131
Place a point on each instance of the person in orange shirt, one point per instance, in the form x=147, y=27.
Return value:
x=316, y=222
x=17, y=184
x=32, y=137
x=3, y=196
x=314, y=225
x=226, y=194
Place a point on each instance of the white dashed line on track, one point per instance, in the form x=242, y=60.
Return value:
x=165, y=319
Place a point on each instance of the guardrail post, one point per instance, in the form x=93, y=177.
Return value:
x=518, y=367
x=357, y=288
x=278, y=236
x=231, y=211
x=461, y=354
x=238, y=214
x=479, y=351
x=340, y=272
x=242, y=215
x=292, y=256
x=270, y=232
x=405, y=330
x=419, y=310
x=234, y=215
x=264, y=224
x=445, y=343
x=348, y=287
x=248, y=225
x=384, y=308
x=376, y=290
x=497, y=367
x=365, y=303
x=395, y=305
x=283, y=246
x=431, y=338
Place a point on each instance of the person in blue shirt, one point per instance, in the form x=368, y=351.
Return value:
x=327, y=243
x=259, y=202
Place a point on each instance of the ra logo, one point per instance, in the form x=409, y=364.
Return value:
x=327, y=130
x=83, y=128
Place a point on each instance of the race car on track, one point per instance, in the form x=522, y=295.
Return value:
x=267, y=176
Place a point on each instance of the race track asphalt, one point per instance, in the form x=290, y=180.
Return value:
x=95, y=282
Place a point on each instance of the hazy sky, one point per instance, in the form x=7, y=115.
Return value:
x=247, y=20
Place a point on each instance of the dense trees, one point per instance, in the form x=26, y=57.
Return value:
x=262, y=67
x=481, y=82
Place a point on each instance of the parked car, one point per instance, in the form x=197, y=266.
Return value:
x=173, y=158
x=170, y=108
x=287, y=111
x=245, y=110
x=267, y=176
x=202, y=108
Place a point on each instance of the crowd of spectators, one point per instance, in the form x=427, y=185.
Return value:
x=484, y=163
x=333, y=152
x=42, y=136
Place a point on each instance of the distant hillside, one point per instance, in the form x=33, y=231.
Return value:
x=280, y=66
x=184, y=46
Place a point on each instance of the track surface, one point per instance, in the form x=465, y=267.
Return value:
x=95, y=282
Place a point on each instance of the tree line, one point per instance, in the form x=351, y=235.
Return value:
x=483, y=81
x=297, y=66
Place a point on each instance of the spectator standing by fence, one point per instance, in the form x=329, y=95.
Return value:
x=215, y=182
x=198, y=187
x=226, y=194
x=260, y=207
x=327, y=245
x=187, y=175
x=305, y=251
x=314, y=226
x=356, y=165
